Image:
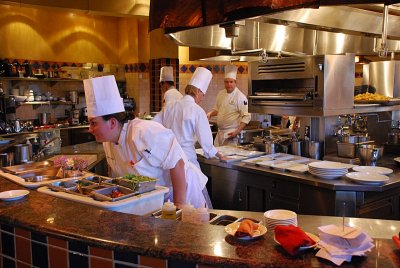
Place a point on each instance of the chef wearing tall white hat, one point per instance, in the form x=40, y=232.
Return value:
x=140, y=147
x=188, y=120
x=171, y=94
x=231, y=110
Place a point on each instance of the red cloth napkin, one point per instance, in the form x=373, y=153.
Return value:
x=292, y=238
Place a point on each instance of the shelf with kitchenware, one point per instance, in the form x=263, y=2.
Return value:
x=39, y=103
x=15, y=80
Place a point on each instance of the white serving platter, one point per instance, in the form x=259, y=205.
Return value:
x=379, y=170
x=366, y=177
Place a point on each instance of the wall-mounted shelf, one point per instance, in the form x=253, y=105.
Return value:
x=38, y=103
x=15, y=80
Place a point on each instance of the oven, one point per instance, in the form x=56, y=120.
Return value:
x=310, y=85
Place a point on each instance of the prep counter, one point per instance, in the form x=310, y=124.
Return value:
x=241, y=186
x=44, y=231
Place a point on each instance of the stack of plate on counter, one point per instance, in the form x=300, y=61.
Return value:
x=276, y=217
x=370, y=175
x=328, y=170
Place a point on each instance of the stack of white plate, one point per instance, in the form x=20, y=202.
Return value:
x=276, y=217
x=327, y=169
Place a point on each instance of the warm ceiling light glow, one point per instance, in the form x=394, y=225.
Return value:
x=357, y=59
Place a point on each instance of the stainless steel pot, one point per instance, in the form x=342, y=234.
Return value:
x=44, y=118
x=22, y=153
x=369, y=154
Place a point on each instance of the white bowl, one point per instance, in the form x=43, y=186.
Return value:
x=19, y=98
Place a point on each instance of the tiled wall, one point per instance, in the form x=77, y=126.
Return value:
x=22, y=248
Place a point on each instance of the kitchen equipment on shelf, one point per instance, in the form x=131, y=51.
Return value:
x=75, y=116
x=22, y=153
x=369, y=154
x=44, y=118
x=73, y=96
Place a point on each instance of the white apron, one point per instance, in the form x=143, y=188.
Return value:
x=136, y=158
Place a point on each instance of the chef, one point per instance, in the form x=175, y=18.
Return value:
x=189, y=121
x=168, y=86
x=140, y=147
x=231, y=110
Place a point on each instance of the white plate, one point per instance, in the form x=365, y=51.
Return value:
x=231, y=230
x=300, y=168
x=367, y=177
x=310, y=235
x=380, y=170
x=13, y=195
x=327, y=177
x=329, y=165
x=397, y=160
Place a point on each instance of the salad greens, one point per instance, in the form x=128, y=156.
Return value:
x=139, y=178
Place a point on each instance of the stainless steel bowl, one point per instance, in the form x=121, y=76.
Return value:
x=369, y=154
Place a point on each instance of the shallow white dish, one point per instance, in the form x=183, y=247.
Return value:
x=329, y=165
x=380, y=170
x=13, y=195
x=397, y=160
x=310, y=235
x=231, y=230
x=300, y=168
x=367, y=177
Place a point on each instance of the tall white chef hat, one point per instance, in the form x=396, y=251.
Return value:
x=166, y=74
x=231, y=71
x=102, y=96
x=201, y=78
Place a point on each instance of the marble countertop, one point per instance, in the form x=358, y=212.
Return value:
x=204, y=244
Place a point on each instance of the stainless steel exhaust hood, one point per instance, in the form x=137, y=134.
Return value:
x=351, y=29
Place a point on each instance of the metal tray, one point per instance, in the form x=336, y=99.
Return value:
x=98, y=179
x=223, y=220
x=105, y=193
x=62, y=186
x=139, y=187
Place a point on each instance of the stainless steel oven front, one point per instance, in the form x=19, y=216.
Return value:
x=309, y=85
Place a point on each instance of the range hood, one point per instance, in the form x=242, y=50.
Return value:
x=358, y=29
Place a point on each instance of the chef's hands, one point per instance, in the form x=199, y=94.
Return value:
x=232, y=134
x=221, y=156
x=211, y=114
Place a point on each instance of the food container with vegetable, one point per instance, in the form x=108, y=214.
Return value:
x=140, y=184
x=114, y=193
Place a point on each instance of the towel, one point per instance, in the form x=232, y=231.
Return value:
x=292, y=238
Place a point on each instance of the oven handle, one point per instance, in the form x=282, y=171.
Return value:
x=279, y=97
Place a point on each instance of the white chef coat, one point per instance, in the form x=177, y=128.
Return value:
x=232, y=109
x=189, y=123
x=149, y=149
x=171, y=95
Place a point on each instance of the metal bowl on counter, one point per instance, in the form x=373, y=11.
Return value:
x=369, y=154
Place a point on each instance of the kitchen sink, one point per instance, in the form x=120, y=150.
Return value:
x=38, y=175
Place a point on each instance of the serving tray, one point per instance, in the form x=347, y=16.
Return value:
x=390, y=102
